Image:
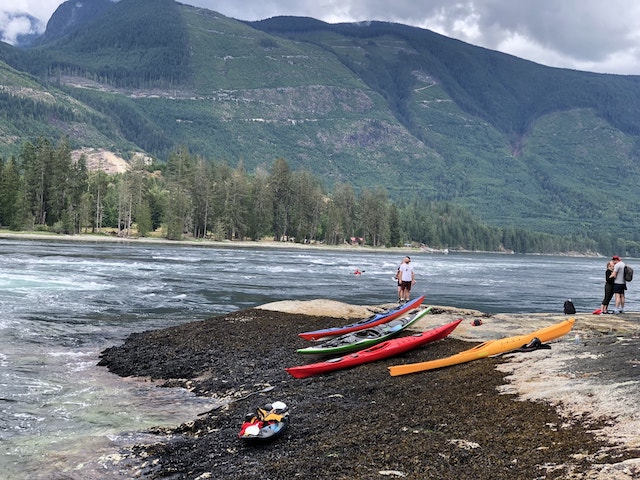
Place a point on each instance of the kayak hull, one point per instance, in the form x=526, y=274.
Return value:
x=372, y=321
x=361, y=339
x=386, y=349
x=487, y=349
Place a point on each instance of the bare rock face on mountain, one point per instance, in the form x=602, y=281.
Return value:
x=99, y=159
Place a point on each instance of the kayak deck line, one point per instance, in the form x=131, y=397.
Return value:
x=361, y=339
x=380, y=351
x=372, y=321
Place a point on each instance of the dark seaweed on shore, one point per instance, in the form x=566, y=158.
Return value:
x=353, y=424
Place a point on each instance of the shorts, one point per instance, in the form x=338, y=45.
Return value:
x=406, y=285
x=619, y=288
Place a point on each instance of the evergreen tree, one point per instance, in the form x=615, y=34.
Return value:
x=98, y=183
x=137, y=181
x=179, y=206
x=261, y=210
x=143, y=218
x=236, y=204
x=58, y=185
x=35, y=160
x=10, y=188
x=341, y=215
x=280, y=181
x=201, y=193
x=77, y=207
x=374, y=216
x=307, y=205
x=395, y=238
x=157, y=200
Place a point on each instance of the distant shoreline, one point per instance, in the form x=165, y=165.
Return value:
x=200, y=242
x=101, y=238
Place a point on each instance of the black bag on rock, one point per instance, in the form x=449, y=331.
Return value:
x=569, y=308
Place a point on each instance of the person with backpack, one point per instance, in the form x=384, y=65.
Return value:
x=619, y=283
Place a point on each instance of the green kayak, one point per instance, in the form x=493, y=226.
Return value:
x=363, y=338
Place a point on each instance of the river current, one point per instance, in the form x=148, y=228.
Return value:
x=62, y=303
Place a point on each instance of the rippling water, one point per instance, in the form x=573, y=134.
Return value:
x=62, y=303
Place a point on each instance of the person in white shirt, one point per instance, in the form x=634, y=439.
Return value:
x=407, y=279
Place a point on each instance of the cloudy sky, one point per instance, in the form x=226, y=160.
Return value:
x=593, y=35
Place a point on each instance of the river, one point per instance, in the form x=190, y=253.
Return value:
x=62, y=303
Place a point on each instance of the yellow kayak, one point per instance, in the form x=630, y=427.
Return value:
x=487, y=349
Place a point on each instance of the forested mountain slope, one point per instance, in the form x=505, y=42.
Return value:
x=373, y=104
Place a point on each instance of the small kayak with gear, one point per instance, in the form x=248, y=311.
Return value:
x=364, y=338
x=369, y=322
x=487, y=349
x=266, y=423
x=386, y=349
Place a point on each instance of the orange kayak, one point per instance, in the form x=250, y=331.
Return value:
x=487, y=349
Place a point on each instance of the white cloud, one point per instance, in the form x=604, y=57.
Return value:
x=14, y=21
x=41, y=9
x=12, y=27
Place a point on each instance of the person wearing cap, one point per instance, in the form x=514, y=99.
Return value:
x=407, y=277
x=619, y=285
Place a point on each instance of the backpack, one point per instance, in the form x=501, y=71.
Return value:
x=569, y=308
x=628, y=273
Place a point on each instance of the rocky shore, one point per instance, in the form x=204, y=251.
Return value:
x=570, y=412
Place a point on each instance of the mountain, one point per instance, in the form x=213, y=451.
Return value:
x=517, y=143
x=71, y=15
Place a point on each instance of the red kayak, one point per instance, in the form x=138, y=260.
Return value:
x=372, y=321
x=382, y=350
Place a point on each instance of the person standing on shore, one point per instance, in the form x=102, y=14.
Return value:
x=407, y=277
x=619, y=284
x=608, y=287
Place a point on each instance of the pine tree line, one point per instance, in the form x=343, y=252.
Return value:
x=191, y=197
